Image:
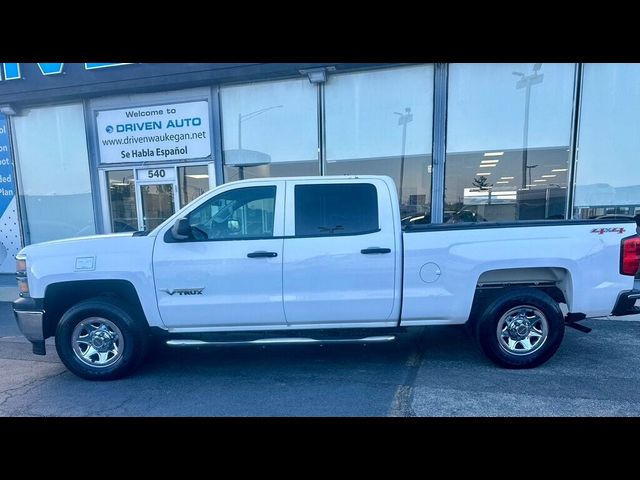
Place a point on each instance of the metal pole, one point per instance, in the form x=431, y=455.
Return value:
x=404, y=143
x=240, y=168
x=525, y=134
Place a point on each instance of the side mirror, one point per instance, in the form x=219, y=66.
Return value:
x=181, y=230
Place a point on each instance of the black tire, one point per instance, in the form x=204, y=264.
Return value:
x=487, y=326
x=134, y=332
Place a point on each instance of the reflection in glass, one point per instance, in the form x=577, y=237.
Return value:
x=607, y=178
x=53, y=164
x=122, y=201
x=239, y=213
x=342, y=209
x=192, y=182
x=508, y=137
x=157, y=204
x=380, y=122
x=270, y=129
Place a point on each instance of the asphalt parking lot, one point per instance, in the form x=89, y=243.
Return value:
x=437, y=371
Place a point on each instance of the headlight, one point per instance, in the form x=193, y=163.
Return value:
x=21, y=265
x=21, y=275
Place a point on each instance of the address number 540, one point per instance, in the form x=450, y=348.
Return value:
x=157, y=173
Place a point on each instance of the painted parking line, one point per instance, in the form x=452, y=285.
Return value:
x=401, y=403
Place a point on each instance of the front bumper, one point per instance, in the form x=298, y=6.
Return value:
x=625, y=305
x=30, y=318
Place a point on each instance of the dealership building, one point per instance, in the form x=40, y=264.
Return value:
x=112, y=147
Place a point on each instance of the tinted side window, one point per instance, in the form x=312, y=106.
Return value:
x=240, y=213
x=336, y=209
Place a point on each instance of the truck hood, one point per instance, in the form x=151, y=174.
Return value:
x=87, y=243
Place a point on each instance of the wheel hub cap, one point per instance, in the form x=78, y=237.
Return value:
x=97, y=342
x=522, y=330
x=102, y=340
x=519, y=328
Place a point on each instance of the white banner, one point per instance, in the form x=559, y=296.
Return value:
x=163, y=132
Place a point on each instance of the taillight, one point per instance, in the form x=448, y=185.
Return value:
x=630, y=256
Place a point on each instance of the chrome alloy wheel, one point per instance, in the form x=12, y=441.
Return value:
x=522, y=330
x=97, y=342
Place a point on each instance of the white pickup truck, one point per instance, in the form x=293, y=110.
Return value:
x=320, y=259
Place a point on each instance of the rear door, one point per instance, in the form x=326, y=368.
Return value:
x=340, y=253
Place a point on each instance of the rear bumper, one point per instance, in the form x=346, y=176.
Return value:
x=625, y=304
x=30, y=318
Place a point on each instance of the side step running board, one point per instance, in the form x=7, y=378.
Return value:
x=281, y=341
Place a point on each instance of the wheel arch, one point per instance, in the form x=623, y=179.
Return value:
x=554, y=281
x=60, y=296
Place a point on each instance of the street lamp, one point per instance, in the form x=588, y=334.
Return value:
x=527, y=81
x=248, y=116
x=529, y=167
x=404, y=119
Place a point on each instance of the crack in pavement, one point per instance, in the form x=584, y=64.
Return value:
x=15, y=392
x=103, y=412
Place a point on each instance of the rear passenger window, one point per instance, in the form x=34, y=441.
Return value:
x=336, y=209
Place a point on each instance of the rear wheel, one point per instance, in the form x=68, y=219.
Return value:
x=521, y=328
x=99, y=339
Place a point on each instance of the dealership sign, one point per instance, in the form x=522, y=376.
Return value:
x=177, y=131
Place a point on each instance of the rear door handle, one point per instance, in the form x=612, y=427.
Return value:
x=262, y=254
x=368, y=251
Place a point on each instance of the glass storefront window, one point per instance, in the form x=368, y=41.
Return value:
x=157, y=204
x=270, y=129
x=53, y=165
x=122, y=201
x=380, y=122
x=508, y=136
x=192, y=182
x=607, y=179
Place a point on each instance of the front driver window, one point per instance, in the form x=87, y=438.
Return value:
x=235, y=214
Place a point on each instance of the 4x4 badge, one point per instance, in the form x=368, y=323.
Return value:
x=184, y=291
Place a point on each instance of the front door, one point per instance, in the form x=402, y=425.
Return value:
x=157, y=203
x=227, y=273
x=157, y=195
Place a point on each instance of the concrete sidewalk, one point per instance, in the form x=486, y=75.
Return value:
x=8, y=287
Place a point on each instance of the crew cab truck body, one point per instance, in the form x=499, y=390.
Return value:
x=319, y=259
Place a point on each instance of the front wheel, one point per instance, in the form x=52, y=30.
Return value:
x=521, y=328
x=98, y=339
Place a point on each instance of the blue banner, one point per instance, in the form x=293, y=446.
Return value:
x=9, y=228
x=7, y=188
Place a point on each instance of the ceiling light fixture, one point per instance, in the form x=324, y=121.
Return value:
x=494, y=154
x=504, y=181
x=559, y=169
x=7, y=110
x=539, y=180
x=548, y=176
x=507, y=178
x=483, y=173
x=198, y=176
x=317, y=75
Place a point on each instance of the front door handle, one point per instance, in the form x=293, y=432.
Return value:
x=262, y=254
x=368, y=251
